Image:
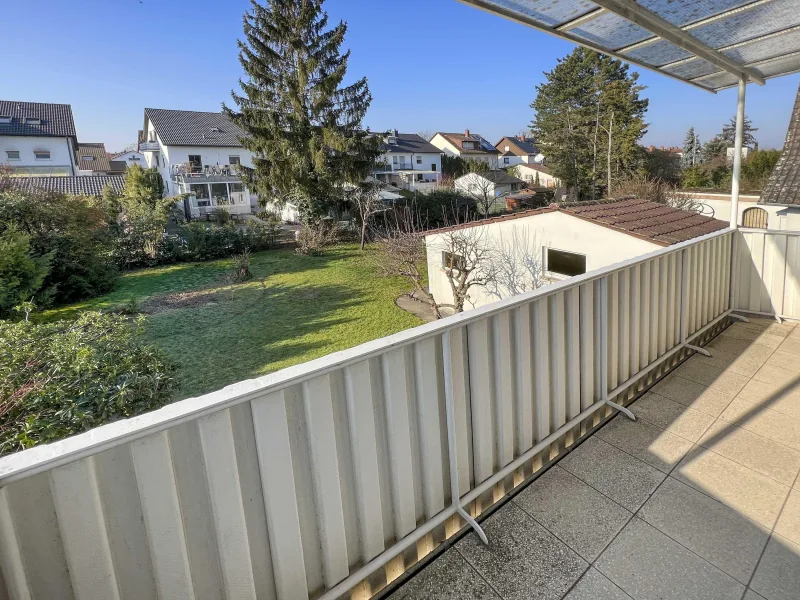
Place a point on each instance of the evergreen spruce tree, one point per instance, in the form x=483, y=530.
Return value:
x=692, y=149
x=748, y=139
x=302, y=125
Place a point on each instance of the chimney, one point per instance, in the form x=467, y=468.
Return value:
x=394, y=132
x=466, y=133
x=523, y=137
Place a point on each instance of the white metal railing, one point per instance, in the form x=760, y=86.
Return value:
x=309, y=481
x=149, y=146
x=767, y=268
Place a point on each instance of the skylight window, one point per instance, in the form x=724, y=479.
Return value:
x=5, y=119
x=87, y=158
x=33, y=121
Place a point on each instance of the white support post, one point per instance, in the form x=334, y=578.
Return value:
x=604, y=351
x=737, y=153
x=452, y=449
x=685, y=304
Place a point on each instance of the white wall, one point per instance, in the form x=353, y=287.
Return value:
x=61, y=153
x=529, y=175
x=428, y=159
x=601, y=246
x=779, y=217
x=132, y=158
x=451, y=150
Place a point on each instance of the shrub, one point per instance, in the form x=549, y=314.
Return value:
x=241, y=267
x=314, y=238
x=442, y=207
x=74, y=232
x=59, y=379
x=21, y=273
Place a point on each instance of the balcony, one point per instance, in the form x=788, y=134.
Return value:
x=151, y=146
x=343, y=476
x=191, y=173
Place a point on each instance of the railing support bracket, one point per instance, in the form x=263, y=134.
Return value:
x=739, y=317
x=474, y=524
x=621, y=409
x=698, y=349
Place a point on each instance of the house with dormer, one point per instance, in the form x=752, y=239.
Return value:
x=198, y=154
x=467, y=145
x=38, y=138
x=518, y=150
x=408, y=162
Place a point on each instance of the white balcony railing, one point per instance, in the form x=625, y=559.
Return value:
x=148, y=147
x=341, y=472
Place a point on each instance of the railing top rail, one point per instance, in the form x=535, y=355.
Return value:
x=769, y=231
x=49, y=456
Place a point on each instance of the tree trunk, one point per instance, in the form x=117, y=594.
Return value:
x=363, y=231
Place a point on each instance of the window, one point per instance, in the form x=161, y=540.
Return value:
x=468, y=145
x=394, y=160
x=196, y=161
x=506, y=149
x=453, y=261
x=41, y=154
x=200, y=191
x=433, y=166
x=12, y=154
x=505, y=160
x=219, y=191
x=87, y=158
x=236, y=187
x=234, y=160
x=419, y=160
x=5, y=119
x=756, y=218
x=565, y=263
x=32, y=121
x=134, y=158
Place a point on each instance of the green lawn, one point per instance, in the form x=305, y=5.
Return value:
x=297, y=308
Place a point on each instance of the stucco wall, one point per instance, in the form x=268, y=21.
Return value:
x=61, y=153
x=529, y=175
x=600, y=245
x=719, y=205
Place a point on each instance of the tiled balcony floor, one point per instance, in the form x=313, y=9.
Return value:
x=697, y=499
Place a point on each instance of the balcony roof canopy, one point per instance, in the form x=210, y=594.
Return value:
x=710, y=44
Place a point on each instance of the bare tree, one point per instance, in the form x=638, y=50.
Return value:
x=657, y=190
x=366, y=201
x=467, y=262
x=516, y=264
x=426, y=134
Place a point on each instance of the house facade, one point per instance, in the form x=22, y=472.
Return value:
x=409, y=162
x=488, y=184
x=123, y=160
x=198, y=153
x=38, y=138
x=518, y=151
x=531, y=172
x=563, y=241
x=467, y=145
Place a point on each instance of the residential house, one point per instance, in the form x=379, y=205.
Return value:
x=38, y=138
x=530, y=173
x=74, y=185
x=518, y=150
x=93, y=160
x=567, y=240
x=489, y=184
x=467, y=145
x=409, y=162
x=127, y=158
x=198, y=153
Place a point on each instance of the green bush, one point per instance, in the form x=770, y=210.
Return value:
x=443, y=207
x=21, y=273
x=73, y=232
x=59, y=379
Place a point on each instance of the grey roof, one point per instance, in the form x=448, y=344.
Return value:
x=783, y=186
x=707, y=43
x=519, y=146
x=191, y=128
x=410, y=142
x=82, y=185
x=56, y=119
x=458, y=139
x=99, y=160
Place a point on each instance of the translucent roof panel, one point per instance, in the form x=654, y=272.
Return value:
x=708, y=43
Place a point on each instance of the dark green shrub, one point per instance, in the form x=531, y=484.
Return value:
x=62, y=378
x=21, y=273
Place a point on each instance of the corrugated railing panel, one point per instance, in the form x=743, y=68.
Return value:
x=337, y=473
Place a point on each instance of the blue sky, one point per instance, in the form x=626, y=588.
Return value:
x=432, y=65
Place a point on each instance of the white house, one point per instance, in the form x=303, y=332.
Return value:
x=198, y=153
x=557, y=242
x=518, y=151
x=488, y=184
x=37, y=138
x=122, y=160
x=409, y=162
x=530, y=172
x=467, y=145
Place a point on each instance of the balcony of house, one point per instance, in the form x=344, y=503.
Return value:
x=486, y=455
x=193, y=172
x=206, y=198
x=149, y=146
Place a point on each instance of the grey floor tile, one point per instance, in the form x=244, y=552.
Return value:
x=647, y=442
x=577, y=514
x=764, y=422
x=648, y=565
x=778, y=573
x=791, y=346
x=449, y=577
x=717, y=533
x=751, y=595
x=677, y=418
x=788, y=524
x=618, y=475
x=780, y=398
x=721, y=379
x=695, y=395
x=761, y=454
x=733, y=345
x=771, y=374
x=595, y=586
x=752, y=494
x=785, y=360
x=745, y=363
x=771, y=338
x=523, y=559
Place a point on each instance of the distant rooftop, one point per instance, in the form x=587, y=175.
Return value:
x=409, y=143
x=93, y=157
x=458, y=139
x=191, y=128
x=518, y=146
x=36, y=119
x=86, y=185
